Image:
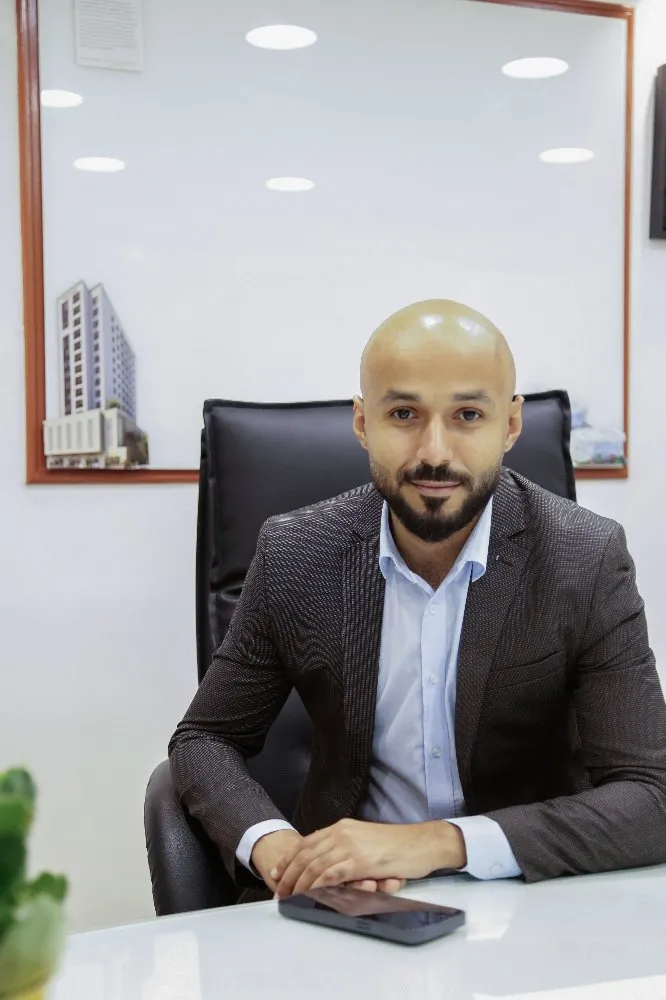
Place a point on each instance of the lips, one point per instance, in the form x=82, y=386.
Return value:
x=433, y=489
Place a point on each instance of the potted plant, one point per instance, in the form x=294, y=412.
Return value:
x=32, y=923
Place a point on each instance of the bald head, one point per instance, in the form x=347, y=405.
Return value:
x=437, y=328
x=437, y=415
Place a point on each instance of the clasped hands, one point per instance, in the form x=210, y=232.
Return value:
x=370, y=856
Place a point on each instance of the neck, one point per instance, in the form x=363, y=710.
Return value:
x=432, y=561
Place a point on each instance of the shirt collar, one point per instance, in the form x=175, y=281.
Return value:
x=474, y=552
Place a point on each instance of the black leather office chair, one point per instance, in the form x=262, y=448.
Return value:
x=258, y=460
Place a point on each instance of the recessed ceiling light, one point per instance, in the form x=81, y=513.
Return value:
x=536, y=68
x=568, y=154
x=99, y=164
x=281, y=36
x=60, y=99
x=290, y=184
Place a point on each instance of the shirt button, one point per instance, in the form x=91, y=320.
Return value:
x=436, y=752
x=433, y=678
x=496, y=870
x=433, y=609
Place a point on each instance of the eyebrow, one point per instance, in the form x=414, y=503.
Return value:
x=472, y=396
x=397, y=395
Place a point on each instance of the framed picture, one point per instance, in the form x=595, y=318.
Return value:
x=230, y=211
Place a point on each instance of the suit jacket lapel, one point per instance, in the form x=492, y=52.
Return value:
x=488, y=602
x=362, y=610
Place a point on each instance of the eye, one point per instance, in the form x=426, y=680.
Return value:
x=469, y=416
x=402, y=414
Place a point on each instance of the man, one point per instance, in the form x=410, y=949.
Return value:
x=472, y=651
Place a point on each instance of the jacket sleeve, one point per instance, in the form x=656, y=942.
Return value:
x=237, y=702
x=620, y=822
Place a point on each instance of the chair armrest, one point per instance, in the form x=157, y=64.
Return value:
x=186, y=869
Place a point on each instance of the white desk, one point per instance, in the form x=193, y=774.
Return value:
x=572, y=939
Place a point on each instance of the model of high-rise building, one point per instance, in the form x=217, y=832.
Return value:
x=97, y=386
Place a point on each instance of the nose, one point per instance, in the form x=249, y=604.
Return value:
x=435, y=445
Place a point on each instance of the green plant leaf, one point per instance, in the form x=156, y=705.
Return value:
x=18, y=782
x=16, y=814
x=6, y=918
x=31, y=914
x=31, y=946
x=54, y=886
x=12, y=865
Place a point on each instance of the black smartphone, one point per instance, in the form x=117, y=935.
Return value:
x=407, y=921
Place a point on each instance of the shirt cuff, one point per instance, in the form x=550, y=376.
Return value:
x=489, y=855
x=255, y=833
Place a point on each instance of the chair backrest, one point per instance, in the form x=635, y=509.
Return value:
x=261, y=459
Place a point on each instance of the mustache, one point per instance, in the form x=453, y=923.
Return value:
x=435, y=474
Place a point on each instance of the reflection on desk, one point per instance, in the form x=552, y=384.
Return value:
x=585, y=938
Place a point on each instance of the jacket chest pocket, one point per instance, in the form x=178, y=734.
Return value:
x=545, y=669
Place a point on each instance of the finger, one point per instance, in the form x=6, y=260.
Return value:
x=300, y=857
x=314, y=871
x=292, y=877
x=337, y=874
x=276, y=873
x=286, y=882
x=365, y=884
x=391, y=884
x=284, y=862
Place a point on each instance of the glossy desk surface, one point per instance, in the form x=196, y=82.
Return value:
x=572, y=939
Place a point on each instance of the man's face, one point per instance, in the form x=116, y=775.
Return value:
x=436, y=422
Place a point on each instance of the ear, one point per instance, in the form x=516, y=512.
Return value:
x=359, y=422
x=515, y=422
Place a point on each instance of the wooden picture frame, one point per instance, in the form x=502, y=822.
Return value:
x=33, y=261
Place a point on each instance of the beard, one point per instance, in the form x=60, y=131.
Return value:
x=434, y=524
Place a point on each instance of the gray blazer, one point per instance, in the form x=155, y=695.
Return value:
x=560, y=718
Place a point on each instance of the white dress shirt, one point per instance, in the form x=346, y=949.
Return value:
x=413, y=771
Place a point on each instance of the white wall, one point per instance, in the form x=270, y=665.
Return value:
x=639, y=503
x=97, y=658
x=428, y=182
x=96, y=592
